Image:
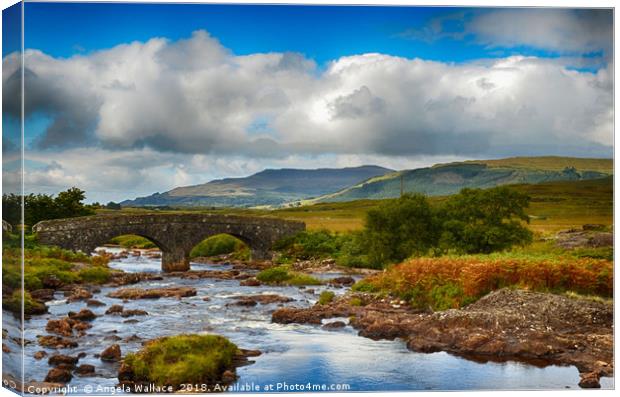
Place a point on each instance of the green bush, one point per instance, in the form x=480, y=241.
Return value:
x=95, y=274
x=220, y=244
x=278, y=274
x=282, y=275
x=303, y=279
x=311, y=245
x=354, y=251
x=183, y=359
x=326, y=297
x=364, y=286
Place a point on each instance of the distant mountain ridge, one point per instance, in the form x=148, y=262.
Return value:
x=289, y=186
x=270, y=187
x=444, y=179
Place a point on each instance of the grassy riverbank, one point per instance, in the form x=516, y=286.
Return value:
x=44, y=267
x=455, y=281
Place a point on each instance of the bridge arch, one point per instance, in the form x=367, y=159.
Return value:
x=175, y=234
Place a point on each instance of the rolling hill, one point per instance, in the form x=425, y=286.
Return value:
x=444, y=179
x=267, y=188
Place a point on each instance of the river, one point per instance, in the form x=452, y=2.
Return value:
x=294, y=356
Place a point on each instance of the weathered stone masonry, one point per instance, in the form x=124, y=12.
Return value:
x=174, y=234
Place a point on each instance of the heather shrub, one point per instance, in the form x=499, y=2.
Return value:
x=452, y=282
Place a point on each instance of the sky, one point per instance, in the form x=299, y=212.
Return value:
x=124, y=100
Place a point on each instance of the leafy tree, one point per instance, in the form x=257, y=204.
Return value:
x=69, y=203
x=400, y=228
x=12, y=208
x=483, y=221
x=113, y=206
x=39, y=207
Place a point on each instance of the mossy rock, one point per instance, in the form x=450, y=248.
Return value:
x=326, y=297
x=182, y=359
x=282, y=275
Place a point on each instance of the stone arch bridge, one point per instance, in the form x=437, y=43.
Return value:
x=174, y=234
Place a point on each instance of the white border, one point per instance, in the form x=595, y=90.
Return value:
x=472, y=3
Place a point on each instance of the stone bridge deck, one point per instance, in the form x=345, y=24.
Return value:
x=174, y=234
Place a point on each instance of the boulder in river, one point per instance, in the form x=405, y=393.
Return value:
x=250, y=282
x=60, y=327
x=153, y=293
x=334, y=325
x=265, y=299
x=134, y=312
x=115, y=309
x=43, y=295
x=79, y=294
x=85, y=369
x=112, y=353
x=40, y=354
x=58, y=375
x=56, y=342
x=342, y=281
x=83, y=315
x=94, y=303
x=58, y=359
x=80, y=326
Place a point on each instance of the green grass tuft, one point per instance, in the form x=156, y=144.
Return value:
x=326, y=297
x=355, y=301
x=95, y=274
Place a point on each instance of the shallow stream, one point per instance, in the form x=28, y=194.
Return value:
x=298, y=356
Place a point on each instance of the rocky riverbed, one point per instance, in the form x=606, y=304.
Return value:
x=507, y=340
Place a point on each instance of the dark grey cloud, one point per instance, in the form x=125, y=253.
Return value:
x=360, y=103
x=579, y=31
x=563, y=31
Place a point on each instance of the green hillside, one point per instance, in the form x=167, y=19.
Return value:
x=266, y=188
x=445, y=179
